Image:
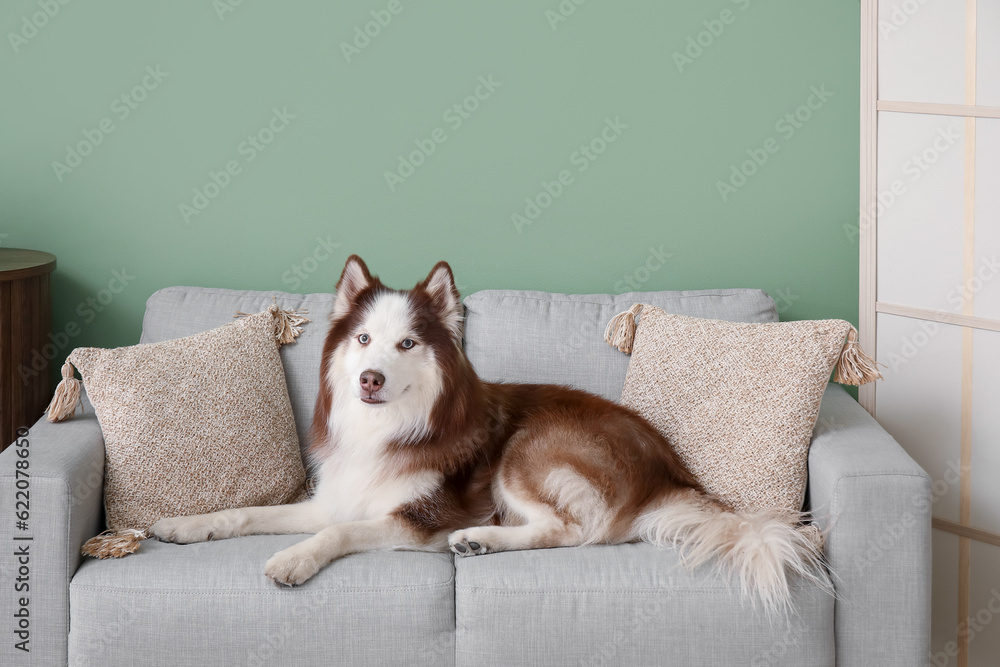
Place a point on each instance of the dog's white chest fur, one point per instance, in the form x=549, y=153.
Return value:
x=355, y=483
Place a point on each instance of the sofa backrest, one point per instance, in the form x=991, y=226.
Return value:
x=538, y=337
x=511, y=336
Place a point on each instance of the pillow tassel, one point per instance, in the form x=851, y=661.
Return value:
x=287, y=323
x=854, y=366
x=66, y=397
x=620, y=331
x=114, y=543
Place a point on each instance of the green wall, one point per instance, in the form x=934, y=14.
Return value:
x=555, y=83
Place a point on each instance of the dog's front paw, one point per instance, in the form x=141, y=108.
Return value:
x=291, y=567
x=184, y=529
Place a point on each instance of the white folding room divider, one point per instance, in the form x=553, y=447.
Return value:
x=930, y=285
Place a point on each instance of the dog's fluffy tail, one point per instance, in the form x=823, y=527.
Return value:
x=762, y=549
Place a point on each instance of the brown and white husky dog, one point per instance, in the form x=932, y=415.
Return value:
x=412, y=450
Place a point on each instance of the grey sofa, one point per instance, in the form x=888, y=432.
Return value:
x=210, y=604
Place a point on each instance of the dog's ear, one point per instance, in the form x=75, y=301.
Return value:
x=440, y=285
x=354, y=279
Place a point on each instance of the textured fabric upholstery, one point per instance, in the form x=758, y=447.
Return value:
x=210, y=604
x=877, y=503
x=631, y=604
x=66, y=464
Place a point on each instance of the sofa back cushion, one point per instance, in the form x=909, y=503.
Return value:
x=512, y=336
x=538, y=337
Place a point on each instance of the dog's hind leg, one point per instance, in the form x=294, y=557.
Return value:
x=541, y=534
x=301, y=517
x=566, y=511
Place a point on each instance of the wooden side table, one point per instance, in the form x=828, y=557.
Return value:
x=25, y=324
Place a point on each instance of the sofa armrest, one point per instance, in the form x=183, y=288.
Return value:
x=65, y=493
x=875, y=502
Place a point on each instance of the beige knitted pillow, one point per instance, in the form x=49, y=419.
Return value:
x=737, y=401
x=191, y=425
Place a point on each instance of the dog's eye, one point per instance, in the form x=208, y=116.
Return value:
x=407, y=343
x=364, y=339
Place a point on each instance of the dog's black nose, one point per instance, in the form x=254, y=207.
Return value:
x=372, y=381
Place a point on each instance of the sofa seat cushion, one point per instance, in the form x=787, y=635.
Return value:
x=538, y=337
x=210, y=604
x=631, y=604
